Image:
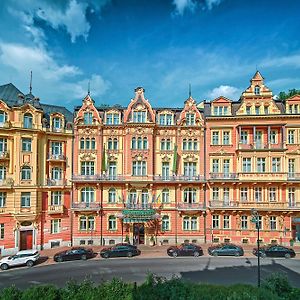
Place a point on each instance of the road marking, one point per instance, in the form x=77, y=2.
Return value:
x=35, y=282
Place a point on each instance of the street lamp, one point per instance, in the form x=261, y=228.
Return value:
x=255, y=219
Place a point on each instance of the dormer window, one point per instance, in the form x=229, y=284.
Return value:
x=220, y=110
x=27, y=120
x=88, y=118
x=266, y=110
x=248, y=110
x=3, y=118
x=139, y=116
x=57, y=123
x=257, y=110
x=257, y=90
x=190, y=119
x=112, y=119
x=165, y=119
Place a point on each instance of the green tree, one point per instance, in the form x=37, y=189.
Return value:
x=290, y=93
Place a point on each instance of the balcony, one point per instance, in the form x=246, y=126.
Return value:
x=172, y=178
x=293, y=205
x=139, y=206
x=223, y=176
x=190, y=206
x=263, y=176
x=56, y=182
x=223, y=204
x=293, y=176
x=55, y=209
x=86, y=206
x=56, y=157
x=6, y=183
x=4, y=155
x=86, y=178
x=262, y=205
x=261, y=147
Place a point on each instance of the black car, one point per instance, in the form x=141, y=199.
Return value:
x=120, y=250
x=275, y=251
x=73, y=254
x=126, y=244
x=226, y=250
x=185, y=249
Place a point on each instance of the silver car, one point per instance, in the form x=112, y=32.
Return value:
x=24, y=257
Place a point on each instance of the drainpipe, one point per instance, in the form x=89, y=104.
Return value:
x=205, y=185
x=72, y=185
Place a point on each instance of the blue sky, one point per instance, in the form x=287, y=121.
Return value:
x=117, y=45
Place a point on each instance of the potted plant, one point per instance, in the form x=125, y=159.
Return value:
x=127, y=239
x=292, y=241
x=152, y=241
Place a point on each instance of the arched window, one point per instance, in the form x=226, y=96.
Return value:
x=189, y=195
x=165, y=223
x=194, y=223
x=87, y=143
x=163, y=144
x=3, y=117
x=132, y=197
x=133, y=143
x=195, y=145
x=93, y=144
x=257, y=90
x=110, y=144
x=186, y=223
x=56, y=173
x=112, y=223
x=168, y=144
x=82, y=143
x=56, y=123
x=115, y=143
x=165, y=196
x=26, y=173
x=145, y=143
x=112, y=195
x=184, y=144
x=87, y=195
x=27, y=120
x=145, y=198
x=140, y=143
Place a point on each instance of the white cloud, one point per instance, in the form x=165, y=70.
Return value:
x=227, y=91
x=283, y=61
x=211, y=3
x=182, y=5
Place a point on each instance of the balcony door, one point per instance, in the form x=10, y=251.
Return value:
x=112, y=171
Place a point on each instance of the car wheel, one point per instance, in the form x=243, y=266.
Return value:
x=263, y=255
x=29, y=263
x=215, y=253
x=196, y=254
x=287, y=255
x=236, y=254
x=129, y=254
x=174, y=254
x=4, y=267
x=59, y=259
x=106, y=255
x=83, y=257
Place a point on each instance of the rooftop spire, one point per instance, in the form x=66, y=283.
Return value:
x=30, y=85
x=190, y=91
x=89, y=87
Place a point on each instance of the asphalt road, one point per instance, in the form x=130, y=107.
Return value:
x=218, y=270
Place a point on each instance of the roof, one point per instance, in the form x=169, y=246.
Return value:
x=9, y=93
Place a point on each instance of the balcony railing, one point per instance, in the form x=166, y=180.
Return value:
x=58, y=157
x=262, y=205
x=293, y=205
x=4, y=155
x=223, y=176
x=139, y=206
x=55, y=209
x=222, y=204
x=86, y=206
x=260, y=146
x=293, y=176
x=190, y=206
x=265, y=176
x=178, y=178
x=56, y=182
x=8, y=182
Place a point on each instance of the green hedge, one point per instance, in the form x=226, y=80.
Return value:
x=274, y=288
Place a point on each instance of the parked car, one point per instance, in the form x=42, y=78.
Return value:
x=185, y=249
x=275, y=251
x=226, y=250
x=24, y=257
x=120, y=251
x=73, y=254
x=126, y=244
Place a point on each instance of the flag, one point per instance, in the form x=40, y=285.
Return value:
x=158, y=198
x=153, y=196
x=104, y=162
x=174, y=169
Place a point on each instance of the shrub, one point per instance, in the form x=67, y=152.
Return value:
x=10, y=293
x=278, y=283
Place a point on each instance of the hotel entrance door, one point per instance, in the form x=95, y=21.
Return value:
x=138, y=234
x=25, y=239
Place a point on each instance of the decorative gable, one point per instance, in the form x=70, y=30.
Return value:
x=190, y=115
x=292, y=105
x=88, y=114
x=221, y=107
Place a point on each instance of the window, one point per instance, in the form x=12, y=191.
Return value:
x=139, y=168
x=291, y=136
x=112, y=170
x=257, y=90
x=266, y=110
x=244, y=222
x=189, y=169
x=139, y=116
x=112, y=223
x=226, y=137
x=226, y=195
x=291, y=196
x=82, y=143
x=165, y=172
x=3, y=118
x=112, y=144
x=56, y=123
x=257, y=110
x=220, y=110
x=112, y=119
x=55, y=226
x=189, y=195
x=273, y=223
x=273, y=137
x=27, y=121
x=275, y=164
x=226, y=167
x=165, y=144
x=291, y=167
x=26, y=173
x=25, y=199
x=87, y=143
x=26, y=144
x=215, y=137
x=165, y=119
x=2, y=199
x=244, y=194
x=93, y=143
x=165, y=196
x=215, y=221
x=215, y=165
x=190, y=223
x=272, y=194
x=226, y=221
x=215, y=193
x=144, y=198
x=261, y=164
x=87, y=168
x=246, y=164
x=112, y=195
x=244, y=137
x=56, y=173
x=190, y=119
x=258, y=194
x=3, y=145
x=2, y=231
x=132, y=197
x=56, y=148
x=87, y=223
x=248, y=110
x=165, y=223
x=87, y=195
x=133, y=143
x=88, y=118
x=2, y=172
x=56, y=198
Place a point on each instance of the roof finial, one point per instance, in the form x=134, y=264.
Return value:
x=30, y=85
x=190, y=91
x=89, y=87
x=256, y=67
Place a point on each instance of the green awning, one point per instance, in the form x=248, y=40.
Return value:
x=138, y=212
x=138, y=215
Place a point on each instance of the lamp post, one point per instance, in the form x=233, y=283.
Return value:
x=255, y=219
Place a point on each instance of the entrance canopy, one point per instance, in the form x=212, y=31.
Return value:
x=138, y=215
